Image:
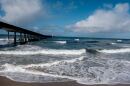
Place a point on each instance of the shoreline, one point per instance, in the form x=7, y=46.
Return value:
x=7, y=82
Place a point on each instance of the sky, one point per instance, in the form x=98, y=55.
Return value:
x=77, y=18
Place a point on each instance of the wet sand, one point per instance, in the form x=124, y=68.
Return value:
x=7, y=82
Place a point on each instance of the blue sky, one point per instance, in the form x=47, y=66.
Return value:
x=88, y=18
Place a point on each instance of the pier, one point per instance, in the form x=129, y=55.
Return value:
x=21, y=35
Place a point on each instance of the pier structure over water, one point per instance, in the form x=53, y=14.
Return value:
x=21, y=35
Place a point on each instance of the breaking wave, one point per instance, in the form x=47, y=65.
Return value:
x=5, y=41
x=23, y=74
x=122, y=50
x=61, y=42
x=86, y=65
x=44, y=52
x=114, y=71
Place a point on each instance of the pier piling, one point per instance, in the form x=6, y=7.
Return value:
x=15, y=38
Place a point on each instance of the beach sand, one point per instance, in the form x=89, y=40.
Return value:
x=7, y=82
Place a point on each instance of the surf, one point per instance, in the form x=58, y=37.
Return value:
x=112, y=51
x=44, y=52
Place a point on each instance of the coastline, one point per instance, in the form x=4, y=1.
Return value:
x=7, y=82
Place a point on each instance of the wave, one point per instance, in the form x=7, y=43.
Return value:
x=5, y=39
x=76, y=39
x=18, y=73
x=28, y=48
x=124, y=50
x=61, y=42
x=113, y=43
x=22, y=73
x=119, y=40
x=117, y=71
x=93, y=51
x=55, y=63
x=45, y=52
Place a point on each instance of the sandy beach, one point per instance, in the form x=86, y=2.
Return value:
x=7, y=82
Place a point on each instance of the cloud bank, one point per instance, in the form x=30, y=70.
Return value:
x=20, y=11
x=116, y=19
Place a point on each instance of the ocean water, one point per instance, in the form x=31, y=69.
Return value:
x=84, y=60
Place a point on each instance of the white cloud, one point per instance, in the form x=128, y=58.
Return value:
x=20, y=10
x=106, y=20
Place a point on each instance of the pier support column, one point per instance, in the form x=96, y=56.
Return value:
x=14, y=38
x=8, y=37
x=25, y=38
x=29, y=38
x=20, y=38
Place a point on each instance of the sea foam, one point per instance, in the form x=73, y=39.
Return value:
x=44, y=52
x=114, y=72
x=122, y=50
x=61, y=42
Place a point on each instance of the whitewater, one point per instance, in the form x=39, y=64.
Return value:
x=86, y=61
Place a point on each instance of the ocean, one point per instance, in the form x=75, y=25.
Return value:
x=59, y=59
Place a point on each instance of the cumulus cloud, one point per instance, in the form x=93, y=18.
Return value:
x=20, y=10
x=116, y=18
